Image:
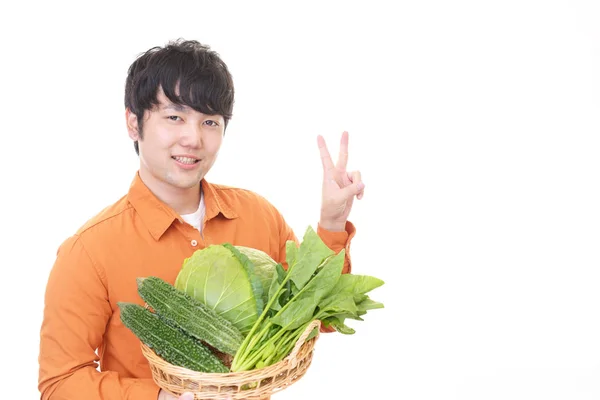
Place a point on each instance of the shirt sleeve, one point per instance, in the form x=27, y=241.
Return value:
x=76, y=312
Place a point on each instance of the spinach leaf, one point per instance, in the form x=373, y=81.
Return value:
x=307, y=259
x=301, y=308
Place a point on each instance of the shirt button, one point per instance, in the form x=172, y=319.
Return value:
x=194, y=243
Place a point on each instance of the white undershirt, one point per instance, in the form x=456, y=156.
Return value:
x=195, y=219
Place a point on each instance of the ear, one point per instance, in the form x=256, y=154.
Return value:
x=132, y=125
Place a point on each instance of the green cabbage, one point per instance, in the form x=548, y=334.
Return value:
x=224, y=279
x=264, y=267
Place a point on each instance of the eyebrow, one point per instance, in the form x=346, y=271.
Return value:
x=175, y=107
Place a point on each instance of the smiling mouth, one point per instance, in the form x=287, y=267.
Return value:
x=186, y=160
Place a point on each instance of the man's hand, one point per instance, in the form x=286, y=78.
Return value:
x=339, y=187
x=162, y=395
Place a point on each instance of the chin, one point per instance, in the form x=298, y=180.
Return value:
x=188, y=184
x=184, y=183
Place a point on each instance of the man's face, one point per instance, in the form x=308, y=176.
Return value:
x=179, y=144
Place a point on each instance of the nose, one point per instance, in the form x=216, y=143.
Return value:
x=191, y=136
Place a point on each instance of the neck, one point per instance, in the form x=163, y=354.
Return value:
x=181, y=200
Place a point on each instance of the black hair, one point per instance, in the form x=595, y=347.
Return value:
x=189, y=73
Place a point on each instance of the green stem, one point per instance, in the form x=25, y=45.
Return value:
x=252, y=355
x=241, y=353
x=286, y=345
x=249, y=363
x=274, y=339
x=260, y=354
x=255, y=340
x=286, y=350
x=282, y=348
x=246, y=349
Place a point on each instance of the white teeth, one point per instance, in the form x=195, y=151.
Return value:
x=185, y=160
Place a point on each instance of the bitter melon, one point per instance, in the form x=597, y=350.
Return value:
x=169, y=342
x=190, y=315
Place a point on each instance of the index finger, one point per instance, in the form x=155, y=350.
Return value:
x=325, y=157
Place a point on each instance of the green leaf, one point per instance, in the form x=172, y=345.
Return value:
x=285, y=296
x=296, y=313
x=338, y=325
x=337, y=303
x=291, y=288
x=310, y=255
x=291, y=252
x=274, y=288
x=312, y=334
x=348, y=299
x=357, y=284
x=343, y=316
x=281, y=273
x=302, y=306
x=360, y=297
x=368, y=304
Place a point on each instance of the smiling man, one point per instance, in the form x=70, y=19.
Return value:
x=178, y=101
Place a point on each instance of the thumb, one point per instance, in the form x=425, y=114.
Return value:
x=187, y=396
x=357, y=185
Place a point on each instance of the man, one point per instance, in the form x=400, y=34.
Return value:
x=178, y=101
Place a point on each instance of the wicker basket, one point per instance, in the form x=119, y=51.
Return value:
x=252, y=385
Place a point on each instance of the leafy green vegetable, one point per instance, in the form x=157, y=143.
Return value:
x=313, y=287
x=310, y=255
x=348, y=299
x=223, y=278
x=298, y=312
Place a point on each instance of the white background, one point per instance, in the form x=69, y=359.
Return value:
x=475, y=125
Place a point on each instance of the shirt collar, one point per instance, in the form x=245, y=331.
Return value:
x=215, y=203
x=158, y=216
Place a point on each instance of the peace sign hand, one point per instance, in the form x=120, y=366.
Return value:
x=339, y=187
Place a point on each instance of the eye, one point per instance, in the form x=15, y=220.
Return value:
x=211, y=123
x=173, y=117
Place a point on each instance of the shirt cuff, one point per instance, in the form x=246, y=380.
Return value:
x=337, y=241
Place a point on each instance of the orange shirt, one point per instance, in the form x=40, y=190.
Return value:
x=96, y=268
